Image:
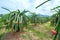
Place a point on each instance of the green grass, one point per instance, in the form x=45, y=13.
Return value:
x=37, y=32
x=41, y=34
x=3, y=32
x=1, y=25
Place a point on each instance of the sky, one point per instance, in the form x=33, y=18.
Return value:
x=29, y=5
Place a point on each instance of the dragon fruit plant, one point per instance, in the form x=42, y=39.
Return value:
x=16, y=20
x=58, y=23
x=34, y=19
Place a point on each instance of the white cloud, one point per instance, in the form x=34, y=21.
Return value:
x=30, y=5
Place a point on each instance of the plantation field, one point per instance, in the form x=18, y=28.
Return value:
x=39, y=32
x=27, y=24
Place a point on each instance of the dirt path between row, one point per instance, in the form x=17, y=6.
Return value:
x=29, y=35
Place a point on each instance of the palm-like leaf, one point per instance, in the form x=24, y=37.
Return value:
x=23, y=12
x=55, y=8
x=42, y=3
x=6, y=9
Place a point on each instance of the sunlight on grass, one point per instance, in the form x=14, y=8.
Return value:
x=2, y=32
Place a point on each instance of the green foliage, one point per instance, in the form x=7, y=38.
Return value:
x=58, y=24
x=55, y=8
x=54, y=19
x=15, y=20
x=2, y=22
x=6, y=9
x=55, y=16
x=37, y=19
x=34, y=18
